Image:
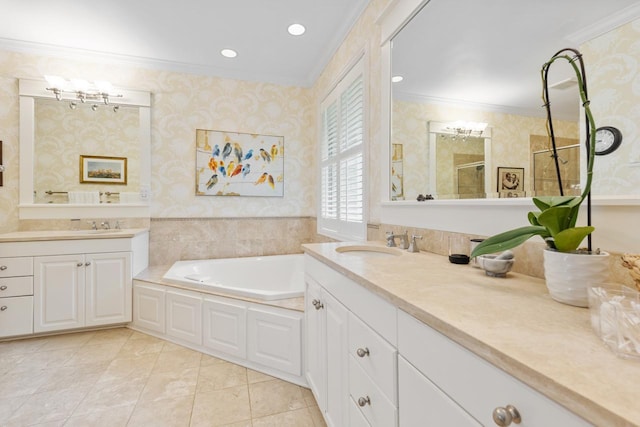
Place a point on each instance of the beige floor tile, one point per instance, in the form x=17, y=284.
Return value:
x=94, y=353
x=297, y=418
x=170, y=413
x=110, y=336
x=66, y=341
x=11, y=404
x=168, y=384
x=177, y=359
x=49, y=406
x=22, y=383
x=141, y=345
x=128, y=367
x=316, y=416
x=44, y=359
x=208, y=360
x=113, y=417
x=220, y=376
x=308, y=396
x=222, y=407
x=275, y=396
x=111, y=394
x=74, y=376
x=9, y=362
x=21, y=346
x=257, y=377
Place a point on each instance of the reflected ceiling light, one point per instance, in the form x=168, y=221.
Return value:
x=296, y=29
x=462, y=129
x=81, y=90
x=397, y=79
x=228, y=53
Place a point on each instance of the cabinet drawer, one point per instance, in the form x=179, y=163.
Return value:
x=473, y=383
x=374, y=355
x=371, y=401
x=16, y=316
x=19, y=266
x=356, y=419
x=16, y=286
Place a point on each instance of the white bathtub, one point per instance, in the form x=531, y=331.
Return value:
x=266, y=278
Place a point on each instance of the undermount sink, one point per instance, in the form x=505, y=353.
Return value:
x=368, y=250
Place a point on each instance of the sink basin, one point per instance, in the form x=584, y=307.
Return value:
x=368, y=250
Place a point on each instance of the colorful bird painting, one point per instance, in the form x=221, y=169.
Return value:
x=212, y=181
x=213, y=164
x=216, y=151
x=271, y=183
x=245, y=170
x=262, y=179
x=265, y=156
x=249, y=154
x=236, y=171
x=230, y=167
x=237, y=150
x=274, y=151
x=226, y=151
x=222, y=169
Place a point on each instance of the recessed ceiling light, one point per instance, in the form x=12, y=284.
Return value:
x=397, y=79
x=228, y=53
x=296, y=29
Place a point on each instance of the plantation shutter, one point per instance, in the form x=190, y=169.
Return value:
x=342, y=171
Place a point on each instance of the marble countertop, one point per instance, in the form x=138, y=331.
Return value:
x=33, y=236
x=511, y=322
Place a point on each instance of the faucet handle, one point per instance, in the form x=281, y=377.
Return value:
x=93, y=225
x=413, y=246
x=391, y=239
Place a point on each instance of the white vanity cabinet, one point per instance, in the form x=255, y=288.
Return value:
x=78, y=290
x=16, y=296
x=184, y=316
x=351, y=355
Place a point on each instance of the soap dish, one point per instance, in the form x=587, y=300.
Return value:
x=495, y=267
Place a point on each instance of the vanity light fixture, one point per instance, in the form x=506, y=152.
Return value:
x=462, y=129
x=81, y=89
x=296, y=29
x=228, y=53
x=397, y=79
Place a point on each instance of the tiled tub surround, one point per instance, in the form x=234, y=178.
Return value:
x=175, y=239
x=510, y=322
x=119, y=377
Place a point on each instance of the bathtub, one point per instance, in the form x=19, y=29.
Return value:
x=266, y=278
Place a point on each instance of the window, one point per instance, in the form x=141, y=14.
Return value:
x=342, y=189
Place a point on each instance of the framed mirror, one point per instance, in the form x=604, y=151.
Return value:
x=83, y=159
x=483, y=65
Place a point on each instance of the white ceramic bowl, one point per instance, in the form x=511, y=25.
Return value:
x=495, y=267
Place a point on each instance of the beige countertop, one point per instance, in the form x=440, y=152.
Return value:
x=511, y=322
x=33, y=236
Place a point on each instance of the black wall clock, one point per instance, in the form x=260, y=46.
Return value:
x=608, y=140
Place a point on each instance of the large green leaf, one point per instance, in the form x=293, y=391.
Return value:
x=568, y=240
x=544, y=203
x=509, y=239
x=556, y=219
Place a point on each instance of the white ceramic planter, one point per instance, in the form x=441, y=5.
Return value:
x=570, y=275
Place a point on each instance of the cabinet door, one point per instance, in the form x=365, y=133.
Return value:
x=275, y=339
x=107, y=288
x=184, y=316
x=58, y=294
x=421, y=403
x=337, y=362
x=148, y=310
x=225, y=326
x=316, y=350
x=16, y=316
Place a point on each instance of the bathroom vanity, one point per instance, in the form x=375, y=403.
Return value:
x=395, y=338
x=66, y=280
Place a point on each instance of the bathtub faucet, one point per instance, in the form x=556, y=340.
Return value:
x=404, y=239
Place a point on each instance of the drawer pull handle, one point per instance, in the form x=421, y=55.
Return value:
x=503, y=417
x=87, y=264
x=3, y=308
x=3, y=267
x=79, y=264
x=363, y=401
x=362, y=352
x=3, y=288
x=317, y=304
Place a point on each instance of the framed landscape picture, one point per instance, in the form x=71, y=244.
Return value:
x=103, y=170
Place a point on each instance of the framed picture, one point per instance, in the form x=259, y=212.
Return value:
x=239, y=164
x=511, y=182
x=103, y=170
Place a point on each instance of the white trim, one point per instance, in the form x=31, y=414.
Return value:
x=601, y=27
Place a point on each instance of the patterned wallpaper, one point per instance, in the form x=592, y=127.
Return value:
x=613, y=74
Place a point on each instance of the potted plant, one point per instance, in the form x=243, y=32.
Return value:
x=556, y=219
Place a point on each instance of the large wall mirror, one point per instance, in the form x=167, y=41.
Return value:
x=479, y=62
x=83, y=159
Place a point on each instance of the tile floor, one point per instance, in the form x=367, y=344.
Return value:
x=120, y=377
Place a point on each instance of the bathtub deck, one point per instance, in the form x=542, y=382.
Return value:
x=154, y=275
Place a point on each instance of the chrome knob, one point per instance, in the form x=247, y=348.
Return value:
x=79, y=264
x=3, y=308
x=503, y=417
x=362, y=352
x=3, y=267
x=317, y=304
x=87, y=264
x=3, y=288
x=363, y=401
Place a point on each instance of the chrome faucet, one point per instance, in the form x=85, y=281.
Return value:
x=93, y=225
x=105, y=225
x=413, y=246
x=404, y=240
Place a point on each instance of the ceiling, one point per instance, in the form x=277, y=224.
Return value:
x=186, y=35
x=488, y=54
